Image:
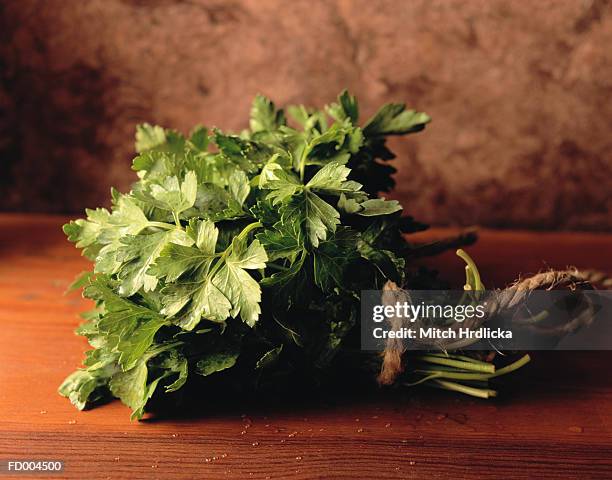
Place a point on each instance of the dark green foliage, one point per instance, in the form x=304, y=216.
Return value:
x=238, y=252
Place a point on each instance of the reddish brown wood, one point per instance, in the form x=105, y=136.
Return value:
x=554, y=422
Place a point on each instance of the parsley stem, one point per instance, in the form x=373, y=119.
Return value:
x=176, y=220
x=246, y=230
x=525, y=359
x=455, y=356
x=163, y=225
x=471, y=273
x=458, y=387
x=476, y=367
x=454, y=375
x=305, y=153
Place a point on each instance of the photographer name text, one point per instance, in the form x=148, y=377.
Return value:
x=432, y=333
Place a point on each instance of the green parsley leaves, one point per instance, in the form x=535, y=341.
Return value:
x=234, y=254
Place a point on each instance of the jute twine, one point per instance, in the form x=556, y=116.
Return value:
x=512, y=297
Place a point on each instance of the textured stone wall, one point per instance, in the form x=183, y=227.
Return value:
x=520, y=93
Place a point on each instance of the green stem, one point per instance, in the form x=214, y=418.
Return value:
x=525, y=359
x=422, y=380
x=163, y=225
x=472, y=275
x=435, y=376
x=456, y=375
x=176, y=219
x=463, y=358
x=470, y=278
x=245, y=231
x=476, y=367
x=473, y=391
x=305, y=153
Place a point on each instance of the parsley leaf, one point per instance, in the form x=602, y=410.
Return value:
x=149, y=137
x=264, y=116
x=138, y=253
x=394, y=119
x=238, y=256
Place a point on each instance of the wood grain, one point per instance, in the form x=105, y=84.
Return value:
x=554, y=421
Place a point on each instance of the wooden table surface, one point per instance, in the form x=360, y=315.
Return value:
x=556, y=421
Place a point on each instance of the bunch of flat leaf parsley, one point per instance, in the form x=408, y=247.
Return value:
x=239, y=255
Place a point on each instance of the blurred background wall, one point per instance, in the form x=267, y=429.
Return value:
x=519, y=91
